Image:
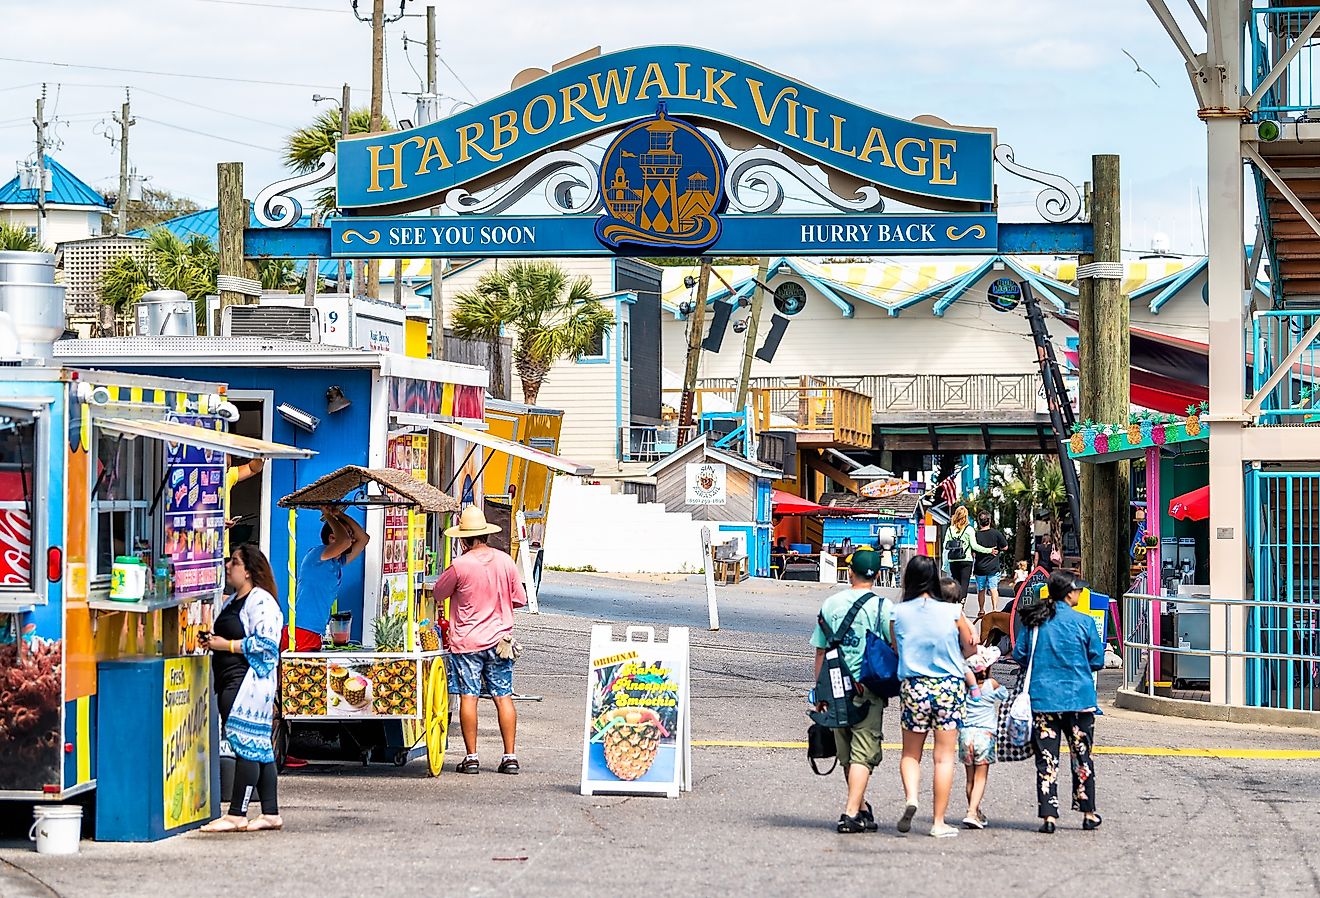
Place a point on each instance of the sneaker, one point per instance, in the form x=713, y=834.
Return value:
x=905, y=822
x=970, y=822
x=867, y=816
x=943, y=831
x=851, y=824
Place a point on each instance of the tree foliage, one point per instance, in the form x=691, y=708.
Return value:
x=552, y=317
x=1021, y=488
x=15, y=237
x=157, y=205
x=304, y=148
x=171, y=263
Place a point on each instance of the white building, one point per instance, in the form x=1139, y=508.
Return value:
x=73, y=209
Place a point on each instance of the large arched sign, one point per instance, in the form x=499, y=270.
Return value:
x=705, y=150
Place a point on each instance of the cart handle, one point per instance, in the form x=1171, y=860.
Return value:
x=648, y=632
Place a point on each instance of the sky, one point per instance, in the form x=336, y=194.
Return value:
x=1050, y=75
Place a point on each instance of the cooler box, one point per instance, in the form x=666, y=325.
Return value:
x=157, y=748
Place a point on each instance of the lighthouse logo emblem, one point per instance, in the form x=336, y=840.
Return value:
x=663, y=184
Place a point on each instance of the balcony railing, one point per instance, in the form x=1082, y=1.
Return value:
x=804, y=405
x=1294, y=397
x=1273, y=30
x=649, y=443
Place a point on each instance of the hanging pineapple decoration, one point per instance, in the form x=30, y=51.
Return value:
x=1192, y=423
x=1147, y=424
x=1077, y=443
x=1133, y=430
x=632, y=738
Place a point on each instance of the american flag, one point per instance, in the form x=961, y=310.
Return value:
x=948, y=489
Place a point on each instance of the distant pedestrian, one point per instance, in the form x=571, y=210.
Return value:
x=987, y=566
x=857, y=747
x=932, y=638
x=484, y=588
x=976, y=739
x=949, y=593
x=960, y=547
x=1020, y=575
x=1062, y=649
x=1047, y=554
x=244, y=662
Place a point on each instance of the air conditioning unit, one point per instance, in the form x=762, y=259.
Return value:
x=301, y=323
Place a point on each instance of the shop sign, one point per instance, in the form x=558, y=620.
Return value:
x=406, y=169
x=706, y=483
x=885, y=487
x=404, y=453
x=638, y=729
x=194, y=513
x=187, y=741
x=1004, y=294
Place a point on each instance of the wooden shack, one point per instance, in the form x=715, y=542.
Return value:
x=731, y=492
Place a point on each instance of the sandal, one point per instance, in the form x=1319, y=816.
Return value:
x=272, y=823
x=905, y=822
x=225, y=824
x=850, y=824
x=470, y=764
x=508, y=765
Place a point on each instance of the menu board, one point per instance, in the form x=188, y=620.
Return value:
x=403, y=453
x=194, y=513
x=638, y=736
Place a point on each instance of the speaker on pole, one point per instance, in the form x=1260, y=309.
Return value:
x=778, y=324
x=718, y=324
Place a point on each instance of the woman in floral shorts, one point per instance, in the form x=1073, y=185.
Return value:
x=932, y=638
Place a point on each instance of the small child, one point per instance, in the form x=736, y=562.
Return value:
x=976, y=739
x=1020, y=574
x=950, y=591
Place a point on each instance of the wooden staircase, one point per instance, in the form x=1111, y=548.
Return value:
x=1296, y=245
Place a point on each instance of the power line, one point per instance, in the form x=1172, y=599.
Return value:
x=283, y=127
x=272, y=5
x=143, y=118
x=107, y=68
x=456, y=78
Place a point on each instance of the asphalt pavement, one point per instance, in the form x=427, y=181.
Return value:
x=1237, y=818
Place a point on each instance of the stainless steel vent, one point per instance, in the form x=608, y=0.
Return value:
x=272, y=322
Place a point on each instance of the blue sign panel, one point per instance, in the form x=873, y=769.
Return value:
x=410, y=169
x=740, y=235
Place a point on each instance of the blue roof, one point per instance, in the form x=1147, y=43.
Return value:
x=66, y=189
x=206, y=223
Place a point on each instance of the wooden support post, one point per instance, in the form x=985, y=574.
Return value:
x=233, y=218
x=749, y=338
x=695, y=328
x=1106, y=550
x=1086, y=391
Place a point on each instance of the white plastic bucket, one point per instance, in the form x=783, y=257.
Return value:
x=56, y=828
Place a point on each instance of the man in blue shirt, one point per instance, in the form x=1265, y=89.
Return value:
x=320, y=572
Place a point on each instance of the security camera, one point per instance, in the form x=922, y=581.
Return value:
x=228, y=411
x=93, y=395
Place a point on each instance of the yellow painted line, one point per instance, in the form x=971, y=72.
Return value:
x=1254, y=754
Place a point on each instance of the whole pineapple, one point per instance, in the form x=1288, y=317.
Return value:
x=631, y=742
x=391, y=632
x=1193, y=420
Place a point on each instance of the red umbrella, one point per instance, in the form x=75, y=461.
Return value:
x=787, y=503
x=1193, y=506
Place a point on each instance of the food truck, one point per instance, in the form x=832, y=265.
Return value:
x=111, y=544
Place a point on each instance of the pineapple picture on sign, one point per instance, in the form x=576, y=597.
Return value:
x=634, y=721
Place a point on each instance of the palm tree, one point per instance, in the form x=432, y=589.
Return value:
x=553, y=318
x=171, y=264
x=279, y=274
x=306, y=146
x=1052, y=496
x=13, y=237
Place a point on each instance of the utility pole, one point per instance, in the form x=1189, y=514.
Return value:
x=345, y=109
x=377, y=110
x=749, y=338
x=695, y=329
x=437, y=272
x=1107, y=363
x=40, y=122
x=125, y=121
x=233, y=219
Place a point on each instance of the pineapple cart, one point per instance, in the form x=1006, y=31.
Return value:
x=389, y=702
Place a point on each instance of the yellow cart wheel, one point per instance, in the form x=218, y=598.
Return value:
x=436, y=715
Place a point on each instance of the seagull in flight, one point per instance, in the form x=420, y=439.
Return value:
x=1140, y=70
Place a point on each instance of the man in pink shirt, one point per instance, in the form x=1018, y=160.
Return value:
x=483, y=588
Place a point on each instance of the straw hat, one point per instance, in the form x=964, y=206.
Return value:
x=472, y=522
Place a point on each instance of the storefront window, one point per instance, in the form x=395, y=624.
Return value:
x=127, y=478
x=19, y=503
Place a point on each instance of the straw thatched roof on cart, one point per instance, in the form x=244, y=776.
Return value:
x=392, y=488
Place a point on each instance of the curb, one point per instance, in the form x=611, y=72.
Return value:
x=1192, y=710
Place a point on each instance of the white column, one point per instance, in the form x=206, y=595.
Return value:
x=1227, y=355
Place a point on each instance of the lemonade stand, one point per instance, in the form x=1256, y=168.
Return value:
x=389, y=703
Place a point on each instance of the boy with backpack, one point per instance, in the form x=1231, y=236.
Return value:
x=853, y=712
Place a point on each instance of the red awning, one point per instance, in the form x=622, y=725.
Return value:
x=789, y=504
x=1193, y=506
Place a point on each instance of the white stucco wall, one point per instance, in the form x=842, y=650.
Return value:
x=61, y=224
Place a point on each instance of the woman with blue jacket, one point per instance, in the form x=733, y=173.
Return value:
x=1063, y=649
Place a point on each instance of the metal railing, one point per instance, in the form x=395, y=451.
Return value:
x=1282, y=674
x=1294, y=398
x=649, y=443
x=1272, y=31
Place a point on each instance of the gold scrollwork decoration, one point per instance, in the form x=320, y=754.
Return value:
x=976, y=230
x=371, y=238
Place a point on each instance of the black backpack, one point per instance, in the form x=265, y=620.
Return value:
x=834, y=685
